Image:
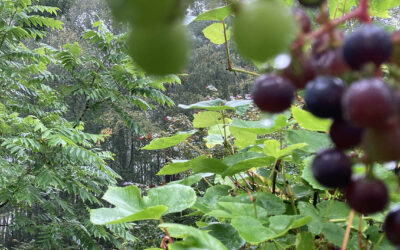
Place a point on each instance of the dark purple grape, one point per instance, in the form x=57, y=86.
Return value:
x=382, y=144
x=303, y=19
x=392, y=226
x=395, y=57
x=327, y=41
x=272, y=93
x=311, y=3
x=368, y=102
x=367, y=196
x=345, y=135
x=300, y=71
x=368, y=44
x=323, y=96
x=332, y=168
x=330, y=62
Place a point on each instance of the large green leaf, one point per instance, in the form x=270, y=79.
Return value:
x=212, y=105
x=207, y=119
x=166, y=142
x=209, y=201
x=317, y=223
x=271, y=148
x=176, y=197
x=219, y=104
x=192, y=237
x=244, y=161
x=243, y=138
x=265, y=126
x=305, y=241
x=178, y=166
x=130, y=206
x=218, y=14
x=316, y=141
x=209, y=165
x=381, y=8
x=309, y=121
x=251, y=229
x=226, y=234
x=215, y=33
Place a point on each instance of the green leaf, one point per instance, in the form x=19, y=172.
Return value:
x=316, y=141
x=103, y=216
x=176, y=197
x=130, y=206
x=265, y=126
x=244, y=161
x=305, y=241
x=192, y=237
x=215, y=33
x=271, y=148
x=243, y=138
x=166, y=142
x=272, y=204
x=381, y=8
x=189, y=181
x=251, y=229
x=317, y=223
x=209, y=201
x=207, y=119
x=178, y=166
x=218, y=14
x=209, y=165
x=308, y=176
x=309, y=121
x=212, y=105
x=333, y=233
x=226, y=234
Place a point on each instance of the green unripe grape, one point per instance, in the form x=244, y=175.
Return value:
x=146, y=12
x=160, y=51
x=263, y=29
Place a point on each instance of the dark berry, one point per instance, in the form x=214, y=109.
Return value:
x=367, y=196
x=382, y=143
x=395, y=57
x=332, y=168
x=323, y=96
x=368, y=44
x=368, y=102
x=344, y=134
x=272, y=93
x=300, y=71
x=330, y=62
x=392, y=226
x=327, y=41
x=311, y=3
x=302, y=19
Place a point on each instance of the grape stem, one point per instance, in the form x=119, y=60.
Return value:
x=348, y=228
x=361, y=12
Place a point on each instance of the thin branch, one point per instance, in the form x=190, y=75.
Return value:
x=348, y=228
x=276, y=169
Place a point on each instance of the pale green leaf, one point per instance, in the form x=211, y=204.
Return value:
x=166, y=142
x=309, y=121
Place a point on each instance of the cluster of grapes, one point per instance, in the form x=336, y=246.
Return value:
x=365, y=112
x=158, y=40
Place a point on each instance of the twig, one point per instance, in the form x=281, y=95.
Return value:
x=276, y=169
x=360, y=12
x=360, y=243
x=348, y=228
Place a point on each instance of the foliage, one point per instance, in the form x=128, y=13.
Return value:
x=261, y=189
